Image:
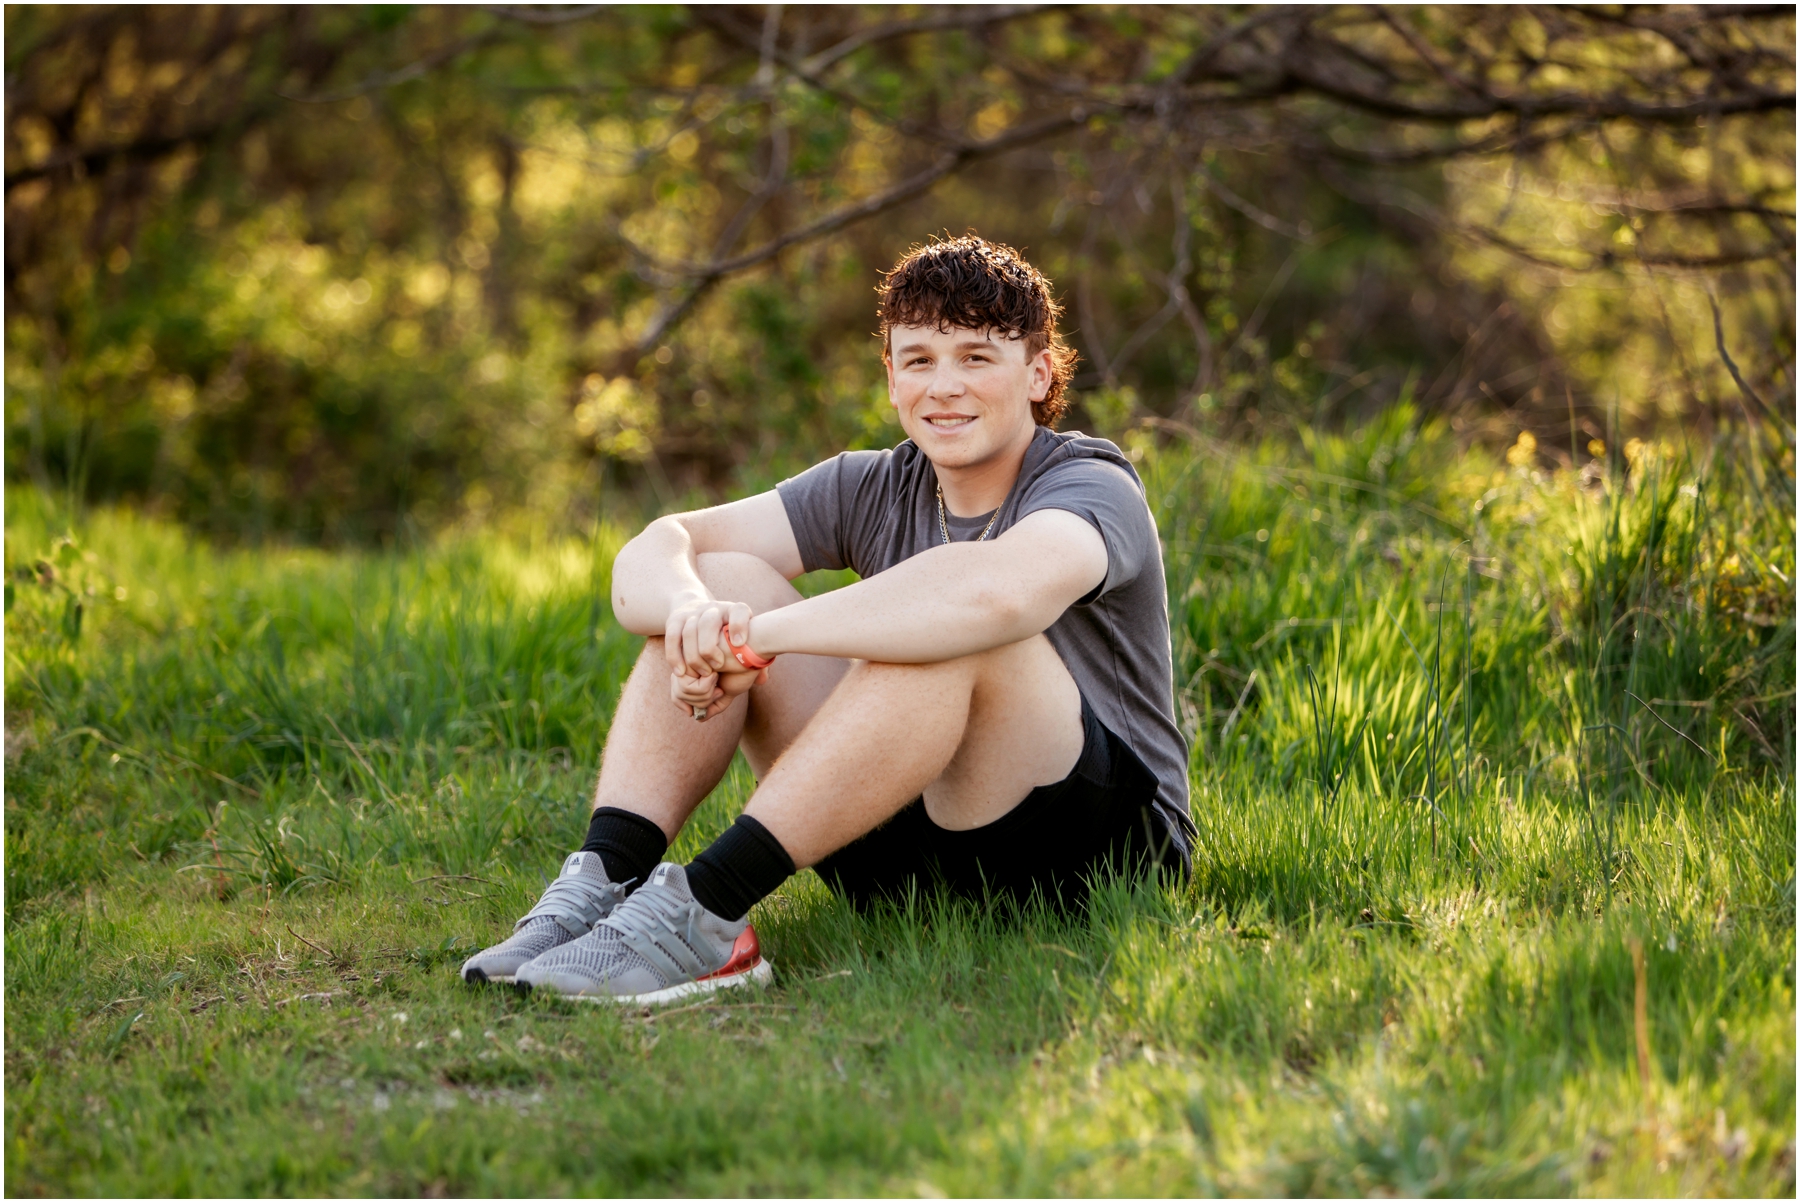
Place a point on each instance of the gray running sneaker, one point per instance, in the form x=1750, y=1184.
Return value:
x=580, y=897
x=659, y=945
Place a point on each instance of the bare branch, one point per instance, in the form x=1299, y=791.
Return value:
x=905, y=190
x=1703, y=208
x=1262, y=307
x=773, y=181
x=139, y=150
x=959, y=18
x=1605, y=259
x=1267, y=221
x=1162, y=317
x=771, y=38
x=544, y=16
x=1176, y=281
x=1428, y=56
x=1201, y=59
x=411, y=71
x=1490, y=104
x=711, y=274
x=1506, y=142
x=1781, y=422
x=723, y=22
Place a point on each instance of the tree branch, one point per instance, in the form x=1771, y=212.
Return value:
x=918, y=183
x=1201, y=58
x=544, y=16
x=93, y=159
x=411, y=71
x=1731, y=366
x=959, y=18
x=1232, y=200
x=1490, y=104
x=722, y=22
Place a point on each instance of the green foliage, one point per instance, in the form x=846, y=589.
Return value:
x=262, y=804
x=344, y=275
x=1461, y=615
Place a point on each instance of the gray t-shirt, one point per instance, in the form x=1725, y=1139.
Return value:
x=869, y=510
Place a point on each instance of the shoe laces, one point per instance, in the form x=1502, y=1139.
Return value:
x=577, y=901
x=666, y=909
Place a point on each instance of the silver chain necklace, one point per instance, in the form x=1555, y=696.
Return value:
x=944, y=527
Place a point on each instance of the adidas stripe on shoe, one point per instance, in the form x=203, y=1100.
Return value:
x=580, y=897
x=657, y=946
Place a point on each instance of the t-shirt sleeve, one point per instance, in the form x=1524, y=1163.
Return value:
x=822, y=505
x=1111, y=501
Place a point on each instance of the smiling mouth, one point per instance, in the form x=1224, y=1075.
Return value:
x=949, y=421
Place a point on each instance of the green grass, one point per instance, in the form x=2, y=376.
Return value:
x=259, y=805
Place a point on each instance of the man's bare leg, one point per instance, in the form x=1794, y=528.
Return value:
x=839, y=752
x=659, y=764
x=973, y=735
x=658, y=761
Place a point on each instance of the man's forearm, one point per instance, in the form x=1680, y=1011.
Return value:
x=652, y=575
x=948, y=602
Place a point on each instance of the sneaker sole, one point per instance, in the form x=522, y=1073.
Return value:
x=760, y=975
x=476, y=977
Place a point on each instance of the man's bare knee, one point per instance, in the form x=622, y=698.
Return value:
x=937, y=678
x=736, y=576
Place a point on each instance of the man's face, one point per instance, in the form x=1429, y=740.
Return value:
x=964, y=396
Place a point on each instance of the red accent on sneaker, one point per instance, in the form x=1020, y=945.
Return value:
x=745, y=953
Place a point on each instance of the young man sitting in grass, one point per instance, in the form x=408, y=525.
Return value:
x=990, y=707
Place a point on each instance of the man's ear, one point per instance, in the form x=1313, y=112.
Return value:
x=1043, y=371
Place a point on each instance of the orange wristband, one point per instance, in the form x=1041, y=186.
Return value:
x=745, y=656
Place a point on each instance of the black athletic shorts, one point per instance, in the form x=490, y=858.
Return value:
x=1098, y=819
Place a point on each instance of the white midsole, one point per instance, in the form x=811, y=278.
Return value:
x=761, y=974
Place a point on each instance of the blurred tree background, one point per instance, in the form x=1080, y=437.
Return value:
x=337, y=274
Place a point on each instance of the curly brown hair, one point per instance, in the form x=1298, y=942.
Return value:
x=973, y=284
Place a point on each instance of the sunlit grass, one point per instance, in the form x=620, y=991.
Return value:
x=259, y=804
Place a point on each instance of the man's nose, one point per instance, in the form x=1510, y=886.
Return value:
x=945, y=382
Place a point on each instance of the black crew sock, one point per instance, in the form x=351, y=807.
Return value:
x=739, y=869
x=629, y=844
